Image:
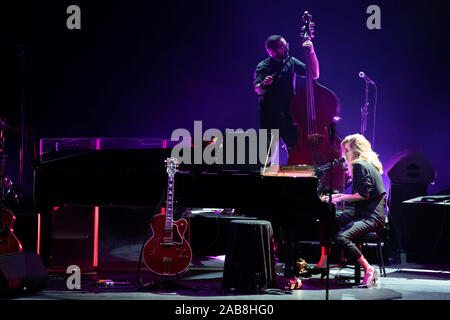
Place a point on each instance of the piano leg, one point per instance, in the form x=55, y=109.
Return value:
x=289, y=250
x=289, y=259
x=46, y=234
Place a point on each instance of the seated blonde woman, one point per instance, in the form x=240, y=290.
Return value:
x=368, y=193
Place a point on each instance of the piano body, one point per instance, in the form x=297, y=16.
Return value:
x=137, y=177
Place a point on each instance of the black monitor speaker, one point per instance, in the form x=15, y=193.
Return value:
x=21, y=273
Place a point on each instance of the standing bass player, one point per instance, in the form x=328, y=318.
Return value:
x=274, y=83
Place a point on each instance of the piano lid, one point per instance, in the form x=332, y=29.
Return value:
x=55, y=148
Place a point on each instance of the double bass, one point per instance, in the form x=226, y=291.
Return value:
x=314, y=110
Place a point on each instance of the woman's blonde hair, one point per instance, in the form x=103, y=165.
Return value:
x=361, y=150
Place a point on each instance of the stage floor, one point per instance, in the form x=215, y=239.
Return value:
x=203, y=281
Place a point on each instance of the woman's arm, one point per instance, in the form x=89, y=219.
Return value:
x=345, y=197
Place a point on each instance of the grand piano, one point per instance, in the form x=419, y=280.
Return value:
x=138, y=177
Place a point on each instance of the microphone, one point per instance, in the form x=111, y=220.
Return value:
x=339, y=161
x=328, y=165
x=363, y=75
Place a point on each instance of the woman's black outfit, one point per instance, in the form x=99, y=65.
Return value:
x=368, y=215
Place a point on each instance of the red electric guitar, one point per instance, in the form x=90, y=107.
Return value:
x=8, y=241
x=167, y=253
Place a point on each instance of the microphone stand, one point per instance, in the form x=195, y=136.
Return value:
x=22, y=116
x=3, y=157
x=332, y=131
x=364, y=110
x=374, y=115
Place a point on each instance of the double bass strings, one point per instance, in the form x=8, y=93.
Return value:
x=312, y=128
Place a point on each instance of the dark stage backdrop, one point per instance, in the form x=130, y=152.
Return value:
x=145, y=68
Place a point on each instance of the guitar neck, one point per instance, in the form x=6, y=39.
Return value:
x=169, y=203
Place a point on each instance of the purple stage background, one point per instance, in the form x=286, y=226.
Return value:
x=142, y=69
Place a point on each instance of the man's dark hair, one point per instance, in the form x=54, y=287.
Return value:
x=271, y=42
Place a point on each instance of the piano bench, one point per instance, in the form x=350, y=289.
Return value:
x=370, y=237
x=249, y=257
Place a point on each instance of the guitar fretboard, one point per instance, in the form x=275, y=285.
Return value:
x=169, y=209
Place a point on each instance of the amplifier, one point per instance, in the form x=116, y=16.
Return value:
x=427, y=236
